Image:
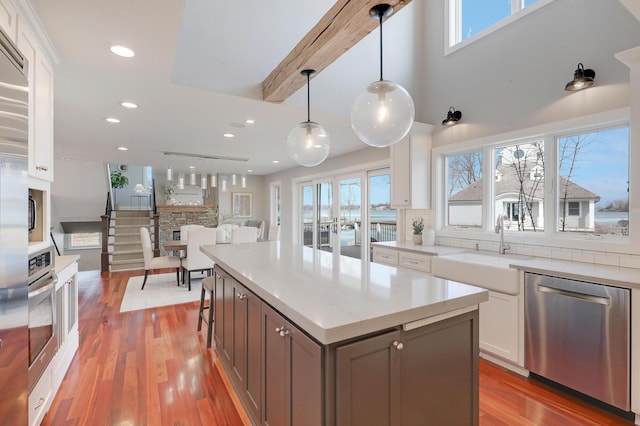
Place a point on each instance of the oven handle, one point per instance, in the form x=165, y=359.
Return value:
x=586, y=297
x=44, y=289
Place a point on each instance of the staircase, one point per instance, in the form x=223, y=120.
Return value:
x=125, y=248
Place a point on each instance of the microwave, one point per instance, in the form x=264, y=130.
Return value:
x=32, y=213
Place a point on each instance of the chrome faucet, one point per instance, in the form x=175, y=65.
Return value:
x=503, y=247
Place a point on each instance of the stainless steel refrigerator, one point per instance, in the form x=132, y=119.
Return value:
x=14, y=235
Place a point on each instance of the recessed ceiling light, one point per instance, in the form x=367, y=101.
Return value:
x=112, y=120
x=129, y=105
x=275, y=161
x=192, y=167
x=228, y=135
x=249, y=171
x=249, y=121
x=123, y=148
x=123, y=51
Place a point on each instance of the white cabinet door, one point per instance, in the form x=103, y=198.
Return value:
x=8, y=16
x=499, y=326
x=40, y=76
x=385, y=256
x=411, y=169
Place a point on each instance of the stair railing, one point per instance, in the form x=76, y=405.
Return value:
x=106, y=223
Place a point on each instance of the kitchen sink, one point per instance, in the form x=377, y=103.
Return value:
x=483, y=269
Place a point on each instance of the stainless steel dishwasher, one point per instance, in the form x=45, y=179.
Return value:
x=578, y=334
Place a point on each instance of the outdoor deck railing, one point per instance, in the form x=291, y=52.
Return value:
x=378, y=231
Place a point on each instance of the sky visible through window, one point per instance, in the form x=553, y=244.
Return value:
x=478, y=15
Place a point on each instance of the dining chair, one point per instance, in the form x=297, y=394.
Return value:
x=207, y=289
x=196, y=261
x=227, y=228
x=184, y=229
x=274, y=232
x=161, y=262
x=244, y=234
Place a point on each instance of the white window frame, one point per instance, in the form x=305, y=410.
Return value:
x=453, y=22
x=68, y=242
x=550, y=236
x=275, y=207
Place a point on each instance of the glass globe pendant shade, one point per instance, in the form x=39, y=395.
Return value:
x=308, y=144
x=382, y=114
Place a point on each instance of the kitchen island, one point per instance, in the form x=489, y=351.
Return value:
x=310, y=337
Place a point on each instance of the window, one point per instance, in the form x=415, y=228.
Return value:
x=83, y=240
x=519, y=193
x=464, y=189
x=275, y=203
x=593, y=184
x=468, y=18
x=555, y=184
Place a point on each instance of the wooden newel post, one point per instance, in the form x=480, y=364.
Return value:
x=104, y=255
x=156, y=235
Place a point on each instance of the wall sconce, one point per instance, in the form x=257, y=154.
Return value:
x=308, y=142
x=383, y=113
x=453, y=117
x=581, y=79
x=214, y=180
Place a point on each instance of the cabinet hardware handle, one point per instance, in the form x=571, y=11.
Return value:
x=42, y=168
x=40, y=402
x=398, y=345
x=283, y=332
x=278, y=329
x=241, y=296
x=219, y=276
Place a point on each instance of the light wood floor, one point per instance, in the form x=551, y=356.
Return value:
x=151, y=367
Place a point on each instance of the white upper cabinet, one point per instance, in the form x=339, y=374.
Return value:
x=40, y=75
x=410, y=169
x=8, y=17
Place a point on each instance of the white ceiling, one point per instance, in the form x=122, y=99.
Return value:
x=197, y=74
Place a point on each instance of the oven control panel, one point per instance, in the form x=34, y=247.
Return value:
x=40, y=263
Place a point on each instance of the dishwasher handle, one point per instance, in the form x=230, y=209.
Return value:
x=586, y=297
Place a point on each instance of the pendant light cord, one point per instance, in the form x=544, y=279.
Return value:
x=381, y=45
x=308, y=98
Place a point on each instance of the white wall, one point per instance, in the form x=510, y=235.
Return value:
x=514, y=78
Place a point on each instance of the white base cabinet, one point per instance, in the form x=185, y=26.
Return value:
x=499, y=324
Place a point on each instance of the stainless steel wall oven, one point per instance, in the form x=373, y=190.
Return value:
x=42, y=313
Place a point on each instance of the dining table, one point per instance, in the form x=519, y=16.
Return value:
x=177, y=245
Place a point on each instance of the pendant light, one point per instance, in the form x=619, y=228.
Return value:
x=192, y=179
x=234, y=179
x=224, y=184
x=181, y=181
x=243, y=181
x=203, y=181
x=308, y=143
x=383, y=113
x=169, y=174
x=214, y=180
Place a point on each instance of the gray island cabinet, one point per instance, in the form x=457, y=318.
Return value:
x=312, y=338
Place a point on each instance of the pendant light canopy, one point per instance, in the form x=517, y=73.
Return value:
x=581, y=79
x=383, y=113
x=308, y=143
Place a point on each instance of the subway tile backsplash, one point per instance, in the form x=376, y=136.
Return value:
x=575, y=255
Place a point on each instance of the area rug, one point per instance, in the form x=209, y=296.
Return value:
x=160, y=290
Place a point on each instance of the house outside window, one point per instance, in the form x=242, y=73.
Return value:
x=588, y=171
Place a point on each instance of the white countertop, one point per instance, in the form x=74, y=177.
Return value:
x=61, y=262
x=334, y=297
x=411, y=246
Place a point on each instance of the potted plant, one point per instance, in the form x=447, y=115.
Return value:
x=418, y=226
x=168, y=192
x=118, y=180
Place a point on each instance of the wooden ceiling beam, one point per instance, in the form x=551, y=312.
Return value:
x=344, y=25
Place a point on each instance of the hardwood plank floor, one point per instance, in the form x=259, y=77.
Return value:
x=152, y=367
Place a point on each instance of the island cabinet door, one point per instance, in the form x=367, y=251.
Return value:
x=426, y=376
x=292, y=381
x=218, y=312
